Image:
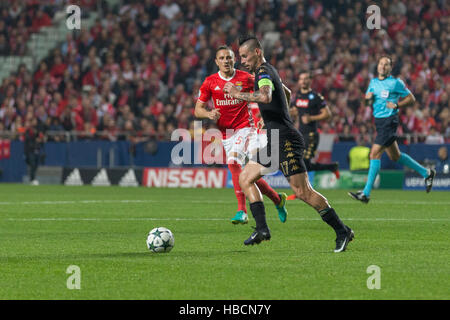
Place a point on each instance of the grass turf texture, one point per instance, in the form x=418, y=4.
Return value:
x=102, y=230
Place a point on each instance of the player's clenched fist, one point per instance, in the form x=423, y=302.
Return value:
x=306, y=118
x=260, y=124
x=391, y=105
x=214, y=114
x=230, y=88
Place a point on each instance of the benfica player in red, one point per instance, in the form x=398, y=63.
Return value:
x=239, y=136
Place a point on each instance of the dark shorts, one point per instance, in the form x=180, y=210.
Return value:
x=311, y=143
x=290, y=148
x=386, y=130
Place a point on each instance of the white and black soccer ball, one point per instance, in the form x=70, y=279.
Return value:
x=160, y=240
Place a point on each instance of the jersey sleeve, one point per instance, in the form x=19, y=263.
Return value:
x=401, y=88
x=204, y=92
x=264, y=78
x=321, y=101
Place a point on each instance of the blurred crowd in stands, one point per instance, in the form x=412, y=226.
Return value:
x=136, y=73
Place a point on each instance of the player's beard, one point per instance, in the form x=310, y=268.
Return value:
x=251, y=69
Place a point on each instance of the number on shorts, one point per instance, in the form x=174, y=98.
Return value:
x=284, y=167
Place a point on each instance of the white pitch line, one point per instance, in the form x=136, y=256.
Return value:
x=220, y=219
x=70, y=202
x=58, y=202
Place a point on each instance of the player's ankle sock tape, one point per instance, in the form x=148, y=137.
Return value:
x=331, y=218
x=259, y=213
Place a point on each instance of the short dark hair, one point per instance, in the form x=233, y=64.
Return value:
x=387, y=57
x=223, y=47
x=305, y=71
x=250, y=40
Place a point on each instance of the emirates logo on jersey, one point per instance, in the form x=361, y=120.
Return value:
x=229, y=100
x=302, y=103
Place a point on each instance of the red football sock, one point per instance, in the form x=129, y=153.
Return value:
x=268, y=191
x=235, y=170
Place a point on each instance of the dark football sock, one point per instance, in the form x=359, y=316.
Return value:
x=259, y=213
x=331, y=218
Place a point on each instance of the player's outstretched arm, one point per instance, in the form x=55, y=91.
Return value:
x=409, y=99
x=201, y=112
x=325, y=114
x=263, y=95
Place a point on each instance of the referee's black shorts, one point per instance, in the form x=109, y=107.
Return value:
x=386, y=130
x=290, y=147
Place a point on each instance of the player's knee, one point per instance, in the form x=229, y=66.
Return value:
x=394, y=157
x=243, y=180
x=374, y=155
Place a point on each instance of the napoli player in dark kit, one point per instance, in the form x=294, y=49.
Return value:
x=273, y=101
x=311, y=108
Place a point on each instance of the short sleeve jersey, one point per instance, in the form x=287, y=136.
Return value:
x=387, y=90
x=234, y=113
x=276, y=113
x=308, y=103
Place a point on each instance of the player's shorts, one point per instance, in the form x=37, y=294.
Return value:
x=290, y=148
x=386, y=130
x=256, y=141
x=311, y=143
x=239, y=144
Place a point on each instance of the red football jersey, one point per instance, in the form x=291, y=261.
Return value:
x=234, y=113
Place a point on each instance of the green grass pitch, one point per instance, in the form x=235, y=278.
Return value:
x=102, y=230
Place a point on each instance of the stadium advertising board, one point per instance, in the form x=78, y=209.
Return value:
x=275, y=180
x=184, y=177
x=101, y=177
x=5, y=148
x=414, y=181
x=348, y=180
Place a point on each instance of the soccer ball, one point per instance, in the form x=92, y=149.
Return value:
x=160, y=240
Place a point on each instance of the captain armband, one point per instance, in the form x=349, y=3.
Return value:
x=266, y=82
